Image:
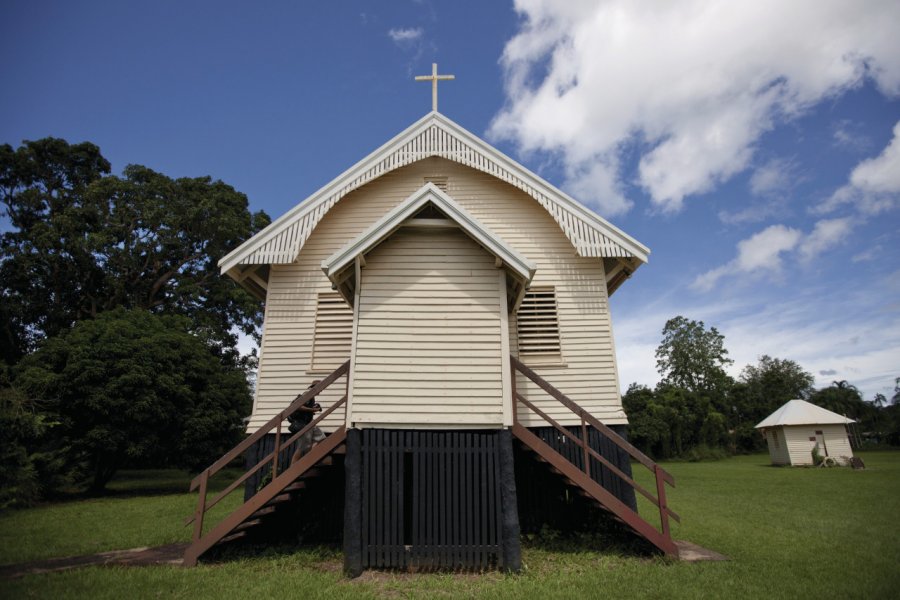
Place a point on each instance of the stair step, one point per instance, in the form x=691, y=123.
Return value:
x=297, y=485
x=279, y=499
x=248, y=524
x=232, y=537
x=266, y=510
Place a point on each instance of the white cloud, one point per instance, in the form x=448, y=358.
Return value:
x=847, y=135
x=772, y=182
x=690, y=86
x=775, y=176
x=406, y=36
x=826, y=234
x=760, y=252
x=763, y=251
x=874, y=184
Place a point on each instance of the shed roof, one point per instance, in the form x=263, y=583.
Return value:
x=436, y=135
x=801, y=412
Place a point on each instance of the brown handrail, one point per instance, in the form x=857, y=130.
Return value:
x=270, y=425
x=275, y=422
x=272, y=456
x=661, y=475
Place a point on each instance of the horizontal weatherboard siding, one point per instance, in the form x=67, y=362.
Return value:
x=585, y=367
x=430, y=376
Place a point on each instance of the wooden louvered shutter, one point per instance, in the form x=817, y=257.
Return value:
x=334, y=332
x=538, y=325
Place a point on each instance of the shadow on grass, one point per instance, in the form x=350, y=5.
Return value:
x=605, y=536
x=244, y=551
x=134, y=483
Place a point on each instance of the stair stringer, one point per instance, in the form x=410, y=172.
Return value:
x=597, y=491
x=261, y=498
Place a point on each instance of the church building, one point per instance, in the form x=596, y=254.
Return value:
x=454, y=308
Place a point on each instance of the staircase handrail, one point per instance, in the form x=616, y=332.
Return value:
x=202, y=480
x=661, y=475
x=273, y=423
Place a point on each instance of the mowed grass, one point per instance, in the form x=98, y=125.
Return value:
x=789, y=533
x=142, y=508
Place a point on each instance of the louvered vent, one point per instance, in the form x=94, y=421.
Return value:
x=440, y=182
x=538, y=325
x=334, y=332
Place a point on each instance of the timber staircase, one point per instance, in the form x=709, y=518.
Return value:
x=285, y=482
x=578, y=474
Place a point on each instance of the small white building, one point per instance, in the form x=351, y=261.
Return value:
x=798, y=427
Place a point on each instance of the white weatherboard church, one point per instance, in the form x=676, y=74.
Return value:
x=460, y=302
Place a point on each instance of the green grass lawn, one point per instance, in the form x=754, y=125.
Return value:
x=790, y=533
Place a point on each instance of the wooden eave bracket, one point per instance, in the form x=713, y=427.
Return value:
x=619, y=274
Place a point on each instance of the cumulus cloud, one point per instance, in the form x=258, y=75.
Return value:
x=760, y=252
x=826, y=234
x=764, y=251
x=874, y=185
x=688, y=87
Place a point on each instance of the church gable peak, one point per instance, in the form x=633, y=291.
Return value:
x=434, y=135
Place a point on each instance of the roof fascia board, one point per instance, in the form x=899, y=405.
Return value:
x=311, y=202
x=638, y=249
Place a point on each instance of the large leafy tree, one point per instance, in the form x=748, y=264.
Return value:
x=133, y=388
x=83, y=242
x=692, y=357
x=772, y=382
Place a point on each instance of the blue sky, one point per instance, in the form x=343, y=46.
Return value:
x=751, y=146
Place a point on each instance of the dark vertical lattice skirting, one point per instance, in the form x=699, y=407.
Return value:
x=545, y=501
x=256, y=453
x=512, y=551
x=430, y=499
x=353, y=563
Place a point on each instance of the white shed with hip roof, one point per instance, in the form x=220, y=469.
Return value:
x=798, y=428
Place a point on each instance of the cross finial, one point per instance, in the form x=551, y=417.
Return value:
x=434, y=78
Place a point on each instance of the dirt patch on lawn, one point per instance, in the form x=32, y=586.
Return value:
x=170, y=554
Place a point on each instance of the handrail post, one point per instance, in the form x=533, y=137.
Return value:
x=584, y=447
x=201, y=506
x=513, y=369
x=661, y=497
x=277, y=451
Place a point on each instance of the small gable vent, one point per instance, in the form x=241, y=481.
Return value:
x=537, y=321
x=334, y=332
x=440, y=182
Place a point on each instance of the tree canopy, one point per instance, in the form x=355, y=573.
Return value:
x=692, y=357
x=83, y=241
x=116, y=328
x=133, y=388
x=697, y=410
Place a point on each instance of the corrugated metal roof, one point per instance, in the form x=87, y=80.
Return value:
x=801, y=412
x=435, y=135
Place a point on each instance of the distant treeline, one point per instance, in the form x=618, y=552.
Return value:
x=698, y=411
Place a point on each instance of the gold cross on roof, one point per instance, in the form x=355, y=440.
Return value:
x=434, y=78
